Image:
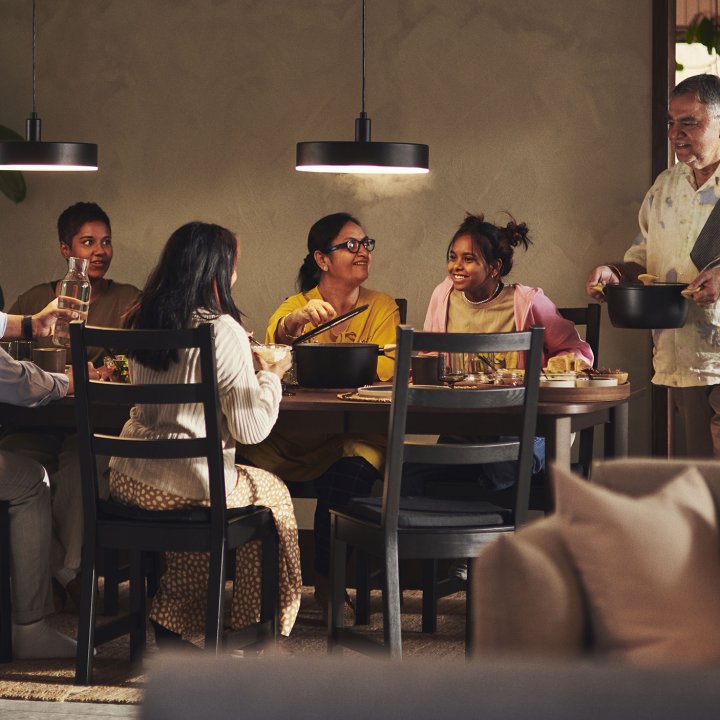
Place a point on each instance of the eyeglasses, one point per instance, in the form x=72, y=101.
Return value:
x=353, y=245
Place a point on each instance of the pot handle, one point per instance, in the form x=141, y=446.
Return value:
x=330, y=323
x=385, y=349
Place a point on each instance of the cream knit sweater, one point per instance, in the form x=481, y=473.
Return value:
x=249, y=402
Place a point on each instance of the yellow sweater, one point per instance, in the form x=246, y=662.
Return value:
x=303, y=457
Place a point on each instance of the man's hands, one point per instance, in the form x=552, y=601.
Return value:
x=44, y=321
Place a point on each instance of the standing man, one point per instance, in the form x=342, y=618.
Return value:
x=24, y=483
x=672, y=217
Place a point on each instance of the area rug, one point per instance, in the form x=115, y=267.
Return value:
x=117, y=681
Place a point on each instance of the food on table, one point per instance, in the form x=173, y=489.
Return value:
x=565, y=364
x=118, y=367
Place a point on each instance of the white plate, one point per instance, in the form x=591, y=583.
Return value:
x=375, y=391
x=603, y=382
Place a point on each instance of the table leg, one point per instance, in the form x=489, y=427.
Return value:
x=558, y=440
x=616, y=432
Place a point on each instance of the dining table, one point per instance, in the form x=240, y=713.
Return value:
x=324, y=411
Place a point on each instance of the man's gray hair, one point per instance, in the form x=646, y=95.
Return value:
x=705, y=87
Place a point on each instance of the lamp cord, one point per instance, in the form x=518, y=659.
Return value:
x=33, y=59
x=363, y=58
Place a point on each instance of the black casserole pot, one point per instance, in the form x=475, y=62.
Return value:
x=657, y=306
x=335, y=365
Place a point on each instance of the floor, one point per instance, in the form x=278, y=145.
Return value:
x=37, y=710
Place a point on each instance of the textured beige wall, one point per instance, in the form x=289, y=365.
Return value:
x=539, y=108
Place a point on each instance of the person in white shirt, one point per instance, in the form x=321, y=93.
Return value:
x=24, y=483
x=674, y=212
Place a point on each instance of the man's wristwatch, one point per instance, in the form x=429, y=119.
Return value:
x=27, y=329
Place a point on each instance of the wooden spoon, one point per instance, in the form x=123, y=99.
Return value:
x=647, y=278
x=688, y=292
x=598, y=288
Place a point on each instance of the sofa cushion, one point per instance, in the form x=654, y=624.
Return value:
x=526, y=596
x=650, y=567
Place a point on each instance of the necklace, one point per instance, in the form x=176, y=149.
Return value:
x=498, y=289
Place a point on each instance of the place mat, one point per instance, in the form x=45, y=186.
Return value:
x=355, y=397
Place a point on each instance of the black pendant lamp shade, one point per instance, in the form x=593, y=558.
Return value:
x=362, y=155
x=33, y=154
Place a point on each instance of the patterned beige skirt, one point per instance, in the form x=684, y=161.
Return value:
x=181, y=601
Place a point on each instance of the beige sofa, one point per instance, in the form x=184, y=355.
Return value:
x=632, y=574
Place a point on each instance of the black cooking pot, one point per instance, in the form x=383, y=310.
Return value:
x=657, y=306
x=335, y=365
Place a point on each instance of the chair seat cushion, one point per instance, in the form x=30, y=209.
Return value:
x=108, y=509
x=425, y=512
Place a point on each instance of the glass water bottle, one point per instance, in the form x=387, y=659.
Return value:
x=77, y=285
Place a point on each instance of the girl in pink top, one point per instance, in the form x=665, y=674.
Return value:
x=479, y=256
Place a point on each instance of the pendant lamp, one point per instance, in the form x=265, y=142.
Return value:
x=362, y=155
x=34, y=154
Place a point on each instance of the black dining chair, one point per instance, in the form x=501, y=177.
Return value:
x=5, y=601
x=395, y=527
x=110, y=525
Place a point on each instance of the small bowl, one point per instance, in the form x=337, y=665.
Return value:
x=558, y=376
x=271, y=353
x=582, y=382
x=603, y=381
x=560, y=383
x=621, y=377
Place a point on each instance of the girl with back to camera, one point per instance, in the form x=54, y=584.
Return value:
x=190, y=285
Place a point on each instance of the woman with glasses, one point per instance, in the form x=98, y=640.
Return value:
x=331, y=282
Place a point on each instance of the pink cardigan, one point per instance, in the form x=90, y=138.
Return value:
x=532, y=307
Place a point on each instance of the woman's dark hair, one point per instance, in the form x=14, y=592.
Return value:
x=320, y=237
x=493, y=242
x=192, y=277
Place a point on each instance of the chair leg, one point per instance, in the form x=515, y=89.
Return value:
x=338, y=563
x=429, y=595
x=86, y=616
x=216, y=598
x=138, y=630
x=362, y=581
x=391, y=604
x=111, y=586
x=5, y=599
x=270, y=588
x=469, y=627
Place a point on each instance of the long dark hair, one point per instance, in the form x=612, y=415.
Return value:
x=320, y=237
x=493, y=242
x=193, y=276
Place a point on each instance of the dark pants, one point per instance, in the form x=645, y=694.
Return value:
x=345, y=479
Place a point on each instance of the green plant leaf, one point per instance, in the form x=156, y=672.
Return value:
x=679, y=66
x=12, y=184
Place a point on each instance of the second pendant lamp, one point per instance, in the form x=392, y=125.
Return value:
x=362, y=155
